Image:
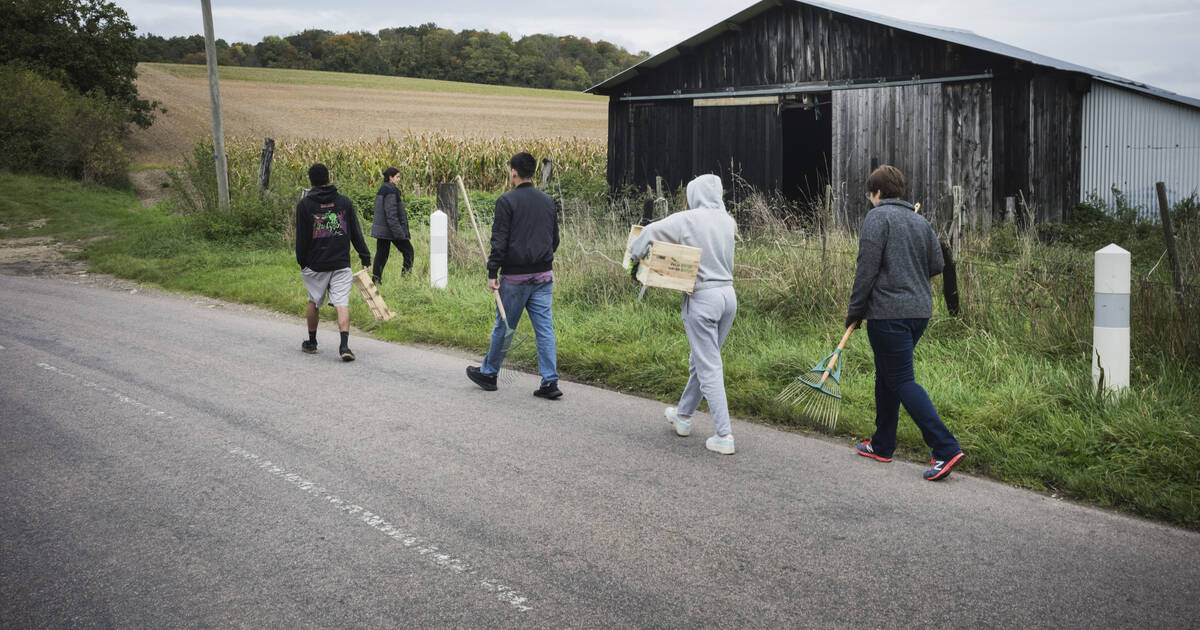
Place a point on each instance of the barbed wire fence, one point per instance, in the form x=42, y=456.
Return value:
x=797, y=265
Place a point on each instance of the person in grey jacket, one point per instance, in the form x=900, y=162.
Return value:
x=390, y=226
x=898, y=252
x=709, y=311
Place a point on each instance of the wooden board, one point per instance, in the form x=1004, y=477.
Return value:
x=670, y=266
x=371, y=296
x=667, y=265
x=634, y=232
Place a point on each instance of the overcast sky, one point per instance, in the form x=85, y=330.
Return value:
x=1153, y=41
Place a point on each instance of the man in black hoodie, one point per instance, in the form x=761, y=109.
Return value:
x=521, y=268
x=326, y=226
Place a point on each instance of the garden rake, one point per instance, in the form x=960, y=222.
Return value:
x=511, y=338
x=817, y=394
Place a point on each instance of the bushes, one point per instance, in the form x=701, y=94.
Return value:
x=48, y=129
x=1094, y=224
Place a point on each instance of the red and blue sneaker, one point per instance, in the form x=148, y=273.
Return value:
x=940, y=468
x=866, y=450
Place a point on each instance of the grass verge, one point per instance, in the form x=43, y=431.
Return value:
x=1024, y=414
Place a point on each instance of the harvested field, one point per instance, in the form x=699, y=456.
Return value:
x=288, y=111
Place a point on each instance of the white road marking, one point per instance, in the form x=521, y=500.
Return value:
x=411, y=541
x=150, y=411
x=424, y=548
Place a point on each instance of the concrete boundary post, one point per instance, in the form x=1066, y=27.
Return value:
x=438, y=250
x=1110, y=332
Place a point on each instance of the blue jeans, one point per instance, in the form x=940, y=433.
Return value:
x=892, y=341
x=537, y=299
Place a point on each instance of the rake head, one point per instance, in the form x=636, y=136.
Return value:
x=816, y=394
x=512, y=341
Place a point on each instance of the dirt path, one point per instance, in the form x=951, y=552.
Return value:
x=43, y=256
x=151, y=186
x=291, y=112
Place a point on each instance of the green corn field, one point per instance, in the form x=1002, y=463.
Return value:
x=424, y=160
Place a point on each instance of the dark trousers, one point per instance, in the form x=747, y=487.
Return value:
x=893, y=341
x=383, y=247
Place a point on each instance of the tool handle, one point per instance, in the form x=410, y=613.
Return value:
x=463, y=189
x=500, y=305
x=837, y=354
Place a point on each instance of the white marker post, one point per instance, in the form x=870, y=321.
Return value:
x=438, y=246
x=1110, y=332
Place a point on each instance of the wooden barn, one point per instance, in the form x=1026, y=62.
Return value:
x=792, y=96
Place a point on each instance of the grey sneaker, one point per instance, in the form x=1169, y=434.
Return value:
x=722, y=444
x=683, y=426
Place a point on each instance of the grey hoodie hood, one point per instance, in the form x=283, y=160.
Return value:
x=707, y=226
x=705, y=192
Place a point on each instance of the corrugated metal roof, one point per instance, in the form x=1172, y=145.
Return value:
x=953, y=35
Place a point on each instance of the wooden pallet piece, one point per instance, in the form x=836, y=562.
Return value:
x=371, y=296
x=668, y=265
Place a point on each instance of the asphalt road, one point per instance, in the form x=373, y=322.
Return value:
x=172, y=462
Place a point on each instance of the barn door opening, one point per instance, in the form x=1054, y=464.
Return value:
x=807, y=124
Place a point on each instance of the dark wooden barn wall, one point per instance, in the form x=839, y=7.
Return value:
x=742, y=140
x=796, y=44
x=648, y=139
x=1037, y=139
x=1034, y=124
x=937, y=135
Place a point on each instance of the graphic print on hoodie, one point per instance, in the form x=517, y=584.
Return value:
x=329, y=224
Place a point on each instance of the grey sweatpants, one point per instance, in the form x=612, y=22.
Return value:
x=707, y=317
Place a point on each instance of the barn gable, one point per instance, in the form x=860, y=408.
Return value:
x=792, y=96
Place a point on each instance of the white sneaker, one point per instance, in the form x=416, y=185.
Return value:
x=683, y=427
x=719, y=444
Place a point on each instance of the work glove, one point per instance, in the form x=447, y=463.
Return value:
x=855, y=320
x=633, y=269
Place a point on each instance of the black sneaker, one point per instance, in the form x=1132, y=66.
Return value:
x=309, y=346
x=549, y=391
x=345, y=353
x=485, y=381
x=940, y=468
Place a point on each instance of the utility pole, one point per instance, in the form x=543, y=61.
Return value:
x=214, y=92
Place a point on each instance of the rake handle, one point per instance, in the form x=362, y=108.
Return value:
x=471, y=213
x=837, y=354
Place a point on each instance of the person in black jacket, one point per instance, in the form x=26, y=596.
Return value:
x=390, y=226
x=521, y=268
x=326, y=226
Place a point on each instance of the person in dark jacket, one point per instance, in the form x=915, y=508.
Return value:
x=898, y=252
x=521, y=268
x=326, y=226
x=390, y=226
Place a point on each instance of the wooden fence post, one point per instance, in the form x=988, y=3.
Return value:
x=264, y=166
x=447, y=201
x=826, y=221
x=660, y=203
x=1010, y=209
x=1169, y=236
x=956, y=227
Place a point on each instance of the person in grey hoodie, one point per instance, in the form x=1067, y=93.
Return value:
x=709, y=311
x=390, y=226
x=898, y=252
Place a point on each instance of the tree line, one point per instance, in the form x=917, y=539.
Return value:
x=425, y=51
x=68, y=69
